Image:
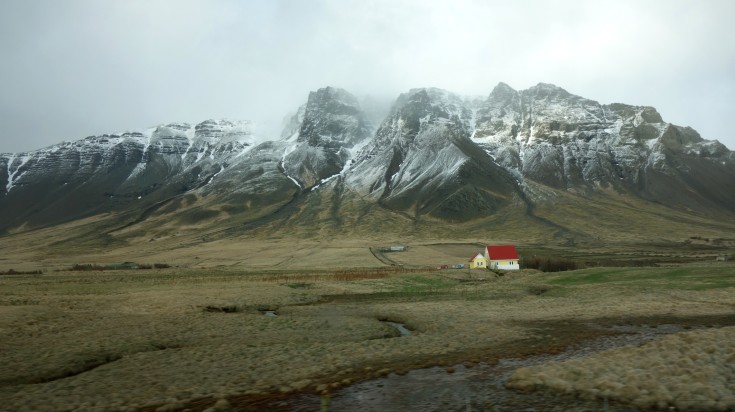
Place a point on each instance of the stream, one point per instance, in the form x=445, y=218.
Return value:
x=399, y=327
x=476, y=388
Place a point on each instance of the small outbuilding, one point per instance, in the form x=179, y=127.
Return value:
x=478, y=261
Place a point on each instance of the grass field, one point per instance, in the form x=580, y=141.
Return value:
x=176, y=338
x=677, y=278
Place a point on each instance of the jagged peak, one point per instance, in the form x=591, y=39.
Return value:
x=221, y=123
x=651, y=115
x=176, y=125
x=330, y=93
x=547, y=89
x=432, y=92
x=502, y=89
x=503, y=93
x=331, y=100
x=432, y=96
x=546, y=86
x=331, y=117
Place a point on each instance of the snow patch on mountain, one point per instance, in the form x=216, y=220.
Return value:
x=353, y=153
x=13, y=175
x=428, y=169
x=222, y=168
x=282, y=165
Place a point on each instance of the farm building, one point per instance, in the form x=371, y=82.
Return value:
x=496, y=257
x=502, y=257
x=478, y=261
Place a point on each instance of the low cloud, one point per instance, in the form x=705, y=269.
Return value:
x=83, y=67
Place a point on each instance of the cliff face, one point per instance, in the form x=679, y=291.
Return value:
x=331, y=126
x=423, y=161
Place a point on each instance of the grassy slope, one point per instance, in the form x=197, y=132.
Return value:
x=325, y=222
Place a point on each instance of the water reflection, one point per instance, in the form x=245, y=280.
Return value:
x=476, y=388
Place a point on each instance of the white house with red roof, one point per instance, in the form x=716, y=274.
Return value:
x=502, y=257
x=496, y=257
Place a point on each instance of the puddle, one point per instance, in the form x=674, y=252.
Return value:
x=477, y=388
x=270, y=313
x=400, y=327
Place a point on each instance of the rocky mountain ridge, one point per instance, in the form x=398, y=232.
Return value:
x=324, y=134
x=436, y=155
x=564, y=141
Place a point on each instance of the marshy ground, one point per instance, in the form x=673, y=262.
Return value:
x=233, y=338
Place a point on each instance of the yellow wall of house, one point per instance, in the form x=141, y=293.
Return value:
x=478, y=263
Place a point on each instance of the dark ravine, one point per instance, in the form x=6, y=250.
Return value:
x=144, y=215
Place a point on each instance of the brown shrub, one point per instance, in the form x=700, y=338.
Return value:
x=549, y=264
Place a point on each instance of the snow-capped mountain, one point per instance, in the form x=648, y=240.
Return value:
x=422, y=160
x=550, y=136
x=178, y=146
x=436, y=155
x=324, y=134
x=108, y=172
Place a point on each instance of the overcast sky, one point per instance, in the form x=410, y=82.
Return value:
x=73, y=68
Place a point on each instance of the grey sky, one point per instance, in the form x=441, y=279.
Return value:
x=73, y=68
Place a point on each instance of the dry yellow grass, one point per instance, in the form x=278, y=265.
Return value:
x=687, y=371
x=126, y=340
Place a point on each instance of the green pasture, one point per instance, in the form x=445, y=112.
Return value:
x=685, y=277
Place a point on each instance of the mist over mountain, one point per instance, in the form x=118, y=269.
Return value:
x=433, y=159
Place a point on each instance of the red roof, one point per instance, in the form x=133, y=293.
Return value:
x=504, y=252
